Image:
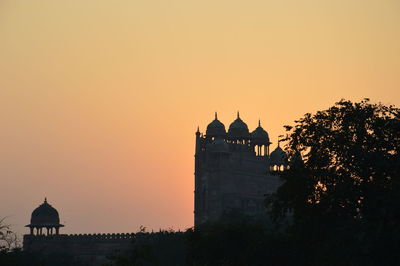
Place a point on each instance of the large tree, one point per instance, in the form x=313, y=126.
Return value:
x=343, y=188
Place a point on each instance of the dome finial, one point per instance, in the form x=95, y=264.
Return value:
x=198, y=129
x=215, y=128
x=259, y=122
x=238, y=116
x=45, y=199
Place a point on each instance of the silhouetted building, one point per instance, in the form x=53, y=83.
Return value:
x=80, y=249
x=45, y=216
x=232, y=170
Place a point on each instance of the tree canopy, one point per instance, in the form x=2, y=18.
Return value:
x=344, y=194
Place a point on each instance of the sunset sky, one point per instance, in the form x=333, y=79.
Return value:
x=100, y=100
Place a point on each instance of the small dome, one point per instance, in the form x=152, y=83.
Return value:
x=278, y=157
x=218, y=145
x=215, y=128
x=238, y=129
x=45, y=214
x=259, y=135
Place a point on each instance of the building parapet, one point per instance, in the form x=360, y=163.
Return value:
x=118, y=236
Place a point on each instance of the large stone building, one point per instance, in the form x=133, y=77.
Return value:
x=233, y=170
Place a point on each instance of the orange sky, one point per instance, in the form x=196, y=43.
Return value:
x=100, y=99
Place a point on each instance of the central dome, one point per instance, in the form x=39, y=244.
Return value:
x=45, y=214
x=215, y=128
x=238, y=129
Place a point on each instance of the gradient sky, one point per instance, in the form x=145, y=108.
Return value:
x=99, y=100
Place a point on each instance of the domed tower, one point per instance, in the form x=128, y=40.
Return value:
x=215, y=129
x=45, y=216
x=260, y=141
x=238, y=131
x=278, y=160
x=231, y=171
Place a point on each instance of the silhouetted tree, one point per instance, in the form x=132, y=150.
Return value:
x=166, y=248
x=8, y=239
x=344, y=195
x=238, y=239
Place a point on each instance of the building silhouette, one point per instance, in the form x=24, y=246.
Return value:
x=45, y=217
x=81, y=249
x=233, y=170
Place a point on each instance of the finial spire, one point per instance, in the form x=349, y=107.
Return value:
x=238, y=116
x=45, y=199
x=198, y=129
x=259, y=122
x=216, y=116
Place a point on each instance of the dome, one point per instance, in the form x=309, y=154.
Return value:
x=215, y=128
x=218, y=145
x=259, y=135
x=238, y=129
x=45, y=214
x=278, y=157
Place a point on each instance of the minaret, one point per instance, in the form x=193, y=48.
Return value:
x=197, y=140
x=197, y=182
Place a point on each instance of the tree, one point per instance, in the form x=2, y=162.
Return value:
x=166, y=247
x=344, y=195
x=8, y=239
x=236, y=243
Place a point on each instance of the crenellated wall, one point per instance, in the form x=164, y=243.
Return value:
x=88, y=249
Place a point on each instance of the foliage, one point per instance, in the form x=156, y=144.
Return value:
x=236, y=243
x=166, y=247
x=344, y=195
x=10, y=250
x=234, y=240
x=8, y=239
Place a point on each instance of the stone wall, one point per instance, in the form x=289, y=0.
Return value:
x=87, y=249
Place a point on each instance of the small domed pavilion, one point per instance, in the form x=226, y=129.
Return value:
x=260, y=140
x=278, y=160
x=45, y=216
